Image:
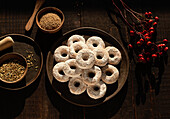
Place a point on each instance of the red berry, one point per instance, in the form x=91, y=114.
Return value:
x=147, y=34
x=151, y=32
x=156, y=19
x=140, y=55
x=149, y=43
x=149, y=14
x=166, y=49
x=138, y=43
x=160, y=53
x=158, y=46
x=130, y=46
x=141, y=59
x=141, y=40
x=146, y=14
x=132, y=33
x=165, y=41
x=148, y=59
x=151, y=29
x=154, y=55
x=150, y=21
x=147, y=38
x=162, y=45
x=155, y=24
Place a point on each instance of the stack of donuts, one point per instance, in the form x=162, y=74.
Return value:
x=87, y=65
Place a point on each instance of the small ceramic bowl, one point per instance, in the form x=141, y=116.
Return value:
x=17, y=56
x=50, y=10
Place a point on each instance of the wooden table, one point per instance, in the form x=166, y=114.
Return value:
x=39, y=101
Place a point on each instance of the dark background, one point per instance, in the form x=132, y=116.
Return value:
x=39, y=101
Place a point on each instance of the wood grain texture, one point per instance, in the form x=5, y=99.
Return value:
x=40, y=101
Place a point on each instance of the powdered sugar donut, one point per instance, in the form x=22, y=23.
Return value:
x=71, y=68
x=110, y=74
x=92, y=76
x=61, y=54
x=76, y=86
x=101, y=57
x=85, y=59
x=95, y=42
x=97, y=91
x=76, y=47
x=74, y=39
x=114, y=55
x=58, y=72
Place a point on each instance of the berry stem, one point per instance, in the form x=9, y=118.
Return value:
x=132, y=12
x=130, y=9
x=123, y=16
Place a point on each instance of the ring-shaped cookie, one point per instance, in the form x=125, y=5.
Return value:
x=71, y=69
x=92, y=76
x=74, y=39
x=76, y=85
x=61, y=54
x=58, y=73
x=97, y=91
x=114, y=55
x=85, y=59
x=95, y=42
x=110, y=74
x=101, y=57
x=76, y=47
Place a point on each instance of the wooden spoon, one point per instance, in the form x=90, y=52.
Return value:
x=31, y=20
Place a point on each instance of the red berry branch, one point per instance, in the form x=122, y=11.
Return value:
x=143, y=32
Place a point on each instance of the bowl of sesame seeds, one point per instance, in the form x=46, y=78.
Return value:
x=13, y=67
x=50, y=19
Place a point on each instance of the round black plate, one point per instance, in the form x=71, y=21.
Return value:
x=25, y=46
x=84, y=99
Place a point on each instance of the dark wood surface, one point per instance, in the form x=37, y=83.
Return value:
x=40, y=101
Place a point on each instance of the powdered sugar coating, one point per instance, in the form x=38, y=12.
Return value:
x=71, y=69
x=101, y=57
x=97, y=91
x=76, y=47
x=61, y=54
x=95, y=42
x=76, y=85
x=74, y=39
x=110, y=74
x=85, y=59
x=92, y=76
x=58, y=72
x=114, y=55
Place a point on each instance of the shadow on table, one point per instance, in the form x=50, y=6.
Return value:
x=12, y=102
x=66, y=109
x=70, y=111
x=149, y=77
x=109, y=108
